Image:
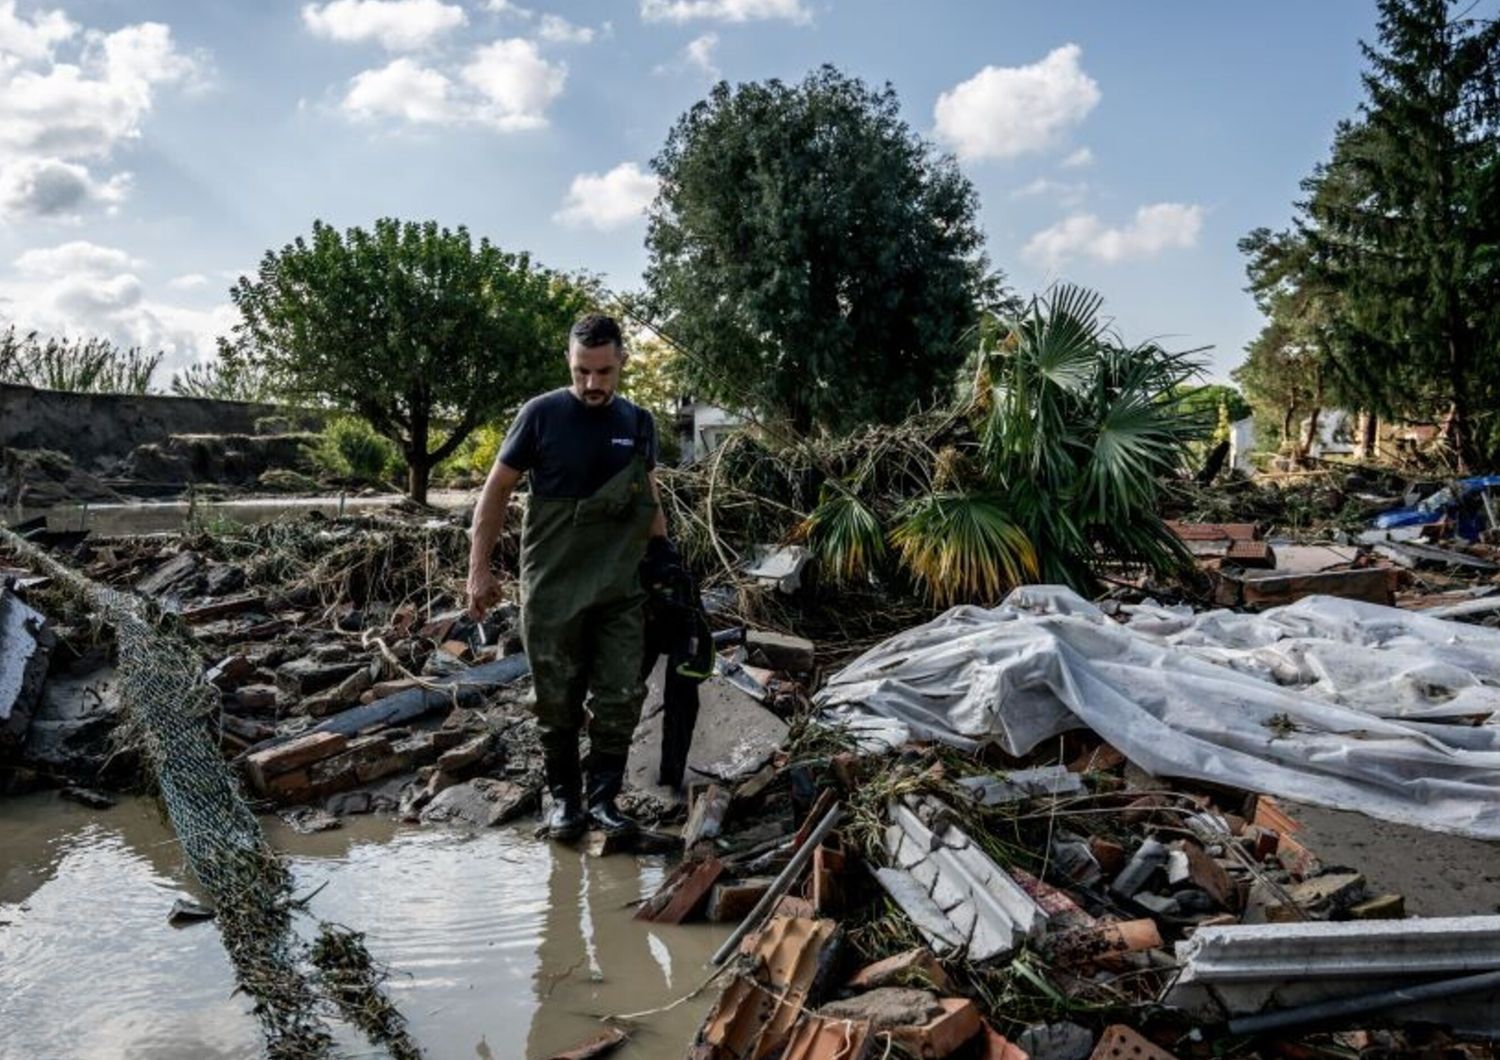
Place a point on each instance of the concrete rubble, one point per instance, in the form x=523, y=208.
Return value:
x=986, y=910
x=1235, y=970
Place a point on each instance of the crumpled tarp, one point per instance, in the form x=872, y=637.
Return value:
x=1328, y=701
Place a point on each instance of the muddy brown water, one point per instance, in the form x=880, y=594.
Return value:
x=502, y=946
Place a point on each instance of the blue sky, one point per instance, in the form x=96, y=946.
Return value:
x=151, y=150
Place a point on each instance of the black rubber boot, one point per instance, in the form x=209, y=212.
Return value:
x=566, y=820
x=606, y=776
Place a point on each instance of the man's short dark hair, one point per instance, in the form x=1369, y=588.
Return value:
x=596, y=329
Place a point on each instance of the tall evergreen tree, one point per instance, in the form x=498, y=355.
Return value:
x=1404, y=223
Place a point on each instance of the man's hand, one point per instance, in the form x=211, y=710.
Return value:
x=489, y=520
x=484, y=592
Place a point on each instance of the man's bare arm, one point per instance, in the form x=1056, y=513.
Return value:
x=659, y=521
x=489, y=524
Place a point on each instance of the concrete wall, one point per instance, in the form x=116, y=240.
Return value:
x=96, y=430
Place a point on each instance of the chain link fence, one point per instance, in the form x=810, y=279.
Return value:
x=169, y=710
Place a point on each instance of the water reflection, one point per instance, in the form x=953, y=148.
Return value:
x=159, y=517
x=490, y=936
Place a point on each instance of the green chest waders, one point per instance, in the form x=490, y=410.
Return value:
x=583, y=608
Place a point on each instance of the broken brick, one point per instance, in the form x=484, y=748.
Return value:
x=1102, y=759
x=902, y=969
x=942, y=1035
x=819, y=1038
x=1119, y=1042
x=995, y=1046
x=230, y=672
x=731, y=902
x=1089, y=944
x=255, y=698
x=344, y=694
x=1109, y=854
x=1269, y=814
x=1208, y=875
x=827, y=870
x=681, y=893
x=1296, y=858
x=294, y=754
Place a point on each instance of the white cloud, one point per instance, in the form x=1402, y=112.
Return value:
x=31, y=39
x=1002, y=112
x=60, y=112
x=699, y=53
x=515, y=84
x=188, y=281
x=608, y=200
x=69, y=110
x=1078, y=159
x=506, y=85
x=401, y=89
x=82, y=289
x=52, y=188
x=724, y=10
x=78, y=258
x=506, y=7
x=397, y=25
x=1155, y=228
x=558, y=30
x=1069, y=193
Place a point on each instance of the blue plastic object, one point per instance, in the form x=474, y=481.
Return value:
x=1471, y=518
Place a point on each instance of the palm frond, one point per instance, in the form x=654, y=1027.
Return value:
x=844, y=534
x=962, y=546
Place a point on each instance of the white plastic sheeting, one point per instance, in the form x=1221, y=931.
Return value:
x=1328, y=701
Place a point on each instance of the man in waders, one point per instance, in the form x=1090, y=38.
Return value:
x=591, y=519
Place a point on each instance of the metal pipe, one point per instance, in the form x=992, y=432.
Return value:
x=1363, y=1003
x=779, y=886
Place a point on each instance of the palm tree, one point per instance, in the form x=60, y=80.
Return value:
x=1058, y=476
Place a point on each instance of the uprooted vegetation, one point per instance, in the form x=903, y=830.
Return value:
x=1053, y=465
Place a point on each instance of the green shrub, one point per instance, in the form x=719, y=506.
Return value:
x=351, y=447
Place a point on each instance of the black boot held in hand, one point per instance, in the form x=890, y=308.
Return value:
x=565, y=821
x=606, y=776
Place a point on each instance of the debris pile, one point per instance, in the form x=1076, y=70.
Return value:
x=954, y=906
x=1049, y=828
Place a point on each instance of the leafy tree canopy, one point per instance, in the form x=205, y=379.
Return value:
x=822, y=262
x=410, y=326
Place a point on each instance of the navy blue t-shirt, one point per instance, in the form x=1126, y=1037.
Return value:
x=569, y=449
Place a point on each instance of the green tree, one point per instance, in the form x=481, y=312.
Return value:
x=1208, y=399
x=1404, y=221
x=411, y=326
x=1308, y=355
x=820, y=260
x=1277, y=377
x=654, y=380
